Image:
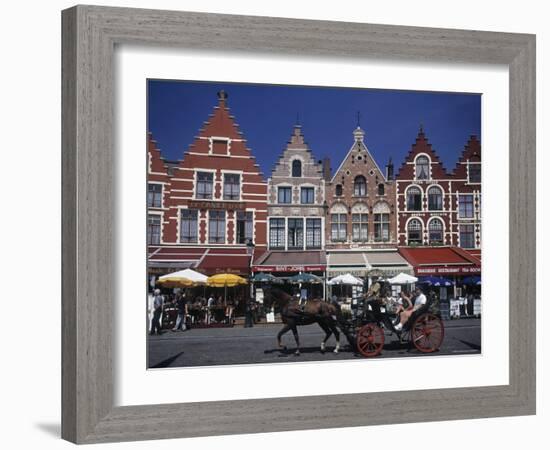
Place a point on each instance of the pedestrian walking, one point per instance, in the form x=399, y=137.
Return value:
x=181, y=305
x=158, y=302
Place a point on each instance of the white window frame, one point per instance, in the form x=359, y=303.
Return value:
x=420, y=155
x=196, y=183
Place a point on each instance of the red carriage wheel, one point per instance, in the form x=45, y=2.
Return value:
x=370, y=340
x=427, y=333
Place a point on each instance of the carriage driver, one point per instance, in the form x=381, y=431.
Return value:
x=419, y=301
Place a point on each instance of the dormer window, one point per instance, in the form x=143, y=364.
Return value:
x=422, y=168
x=296, y=168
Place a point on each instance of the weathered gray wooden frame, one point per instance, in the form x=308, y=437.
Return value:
x=89, y=37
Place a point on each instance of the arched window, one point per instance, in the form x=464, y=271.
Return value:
x=360, y=222
x=381, y=189
x=414, y=232
x=435, y=199
x=414, y=199
x=435, y=232
x=381, y=222
x=338, y=190
x=422, y=168
x=360, y=186
x=339, y=223
x=297, y=168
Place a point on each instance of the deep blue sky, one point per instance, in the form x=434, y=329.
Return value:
x=267, y=113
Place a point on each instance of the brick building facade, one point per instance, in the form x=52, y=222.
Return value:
x=214, y=201
x=213, y=210
x=360, y=200
x=361, y=217
x=437, y=207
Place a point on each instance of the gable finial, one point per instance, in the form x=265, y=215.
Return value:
x=298, y=120
x=421, y=128
x=358, y=119
x=222, y=96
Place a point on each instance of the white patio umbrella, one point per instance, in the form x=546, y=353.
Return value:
x=403, y=278
x=186, y=277
x=347, y=278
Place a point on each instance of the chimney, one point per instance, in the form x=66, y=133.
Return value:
x=326, y=169
x=389, y=170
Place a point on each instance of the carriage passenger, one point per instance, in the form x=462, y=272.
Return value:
x=403, y=304
x=419, y=301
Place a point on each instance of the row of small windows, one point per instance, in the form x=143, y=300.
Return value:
x=189, y=227
x=204, y=188
x=359, y=187
x=422, y=169
x=435, y=233
x=414, y=199
x=231, y=186
x=289, y=233
x=359, y=227
x=307, y=195
x=435, y=201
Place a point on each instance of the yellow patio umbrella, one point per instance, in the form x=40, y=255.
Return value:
x=225, y=280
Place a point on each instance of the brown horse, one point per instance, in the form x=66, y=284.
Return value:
x=293, y=315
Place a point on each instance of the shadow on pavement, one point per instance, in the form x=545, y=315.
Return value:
x=470, y=344
x=167, y=362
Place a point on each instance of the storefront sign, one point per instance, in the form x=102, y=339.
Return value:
x=295, y=268
x=205, y=204
x=451, y=270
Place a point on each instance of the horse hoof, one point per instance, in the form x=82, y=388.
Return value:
x=335, y=350
x=296, y=353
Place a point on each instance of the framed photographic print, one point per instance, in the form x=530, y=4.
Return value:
x=247, y=204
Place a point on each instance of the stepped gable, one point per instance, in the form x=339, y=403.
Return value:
x=220, y=136
x=297, y=147
x=471, y=152
x=422, y=145
x=157, y=164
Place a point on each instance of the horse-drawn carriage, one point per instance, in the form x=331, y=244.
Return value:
x=365, y=329
x=375, y=317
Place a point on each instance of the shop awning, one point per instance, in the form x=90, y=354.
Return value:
x=209, y=261
x=290, y=261
x=173, y=257
x=234, y=261
x=441, y=261
x=367, y=263
x=476, y=253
